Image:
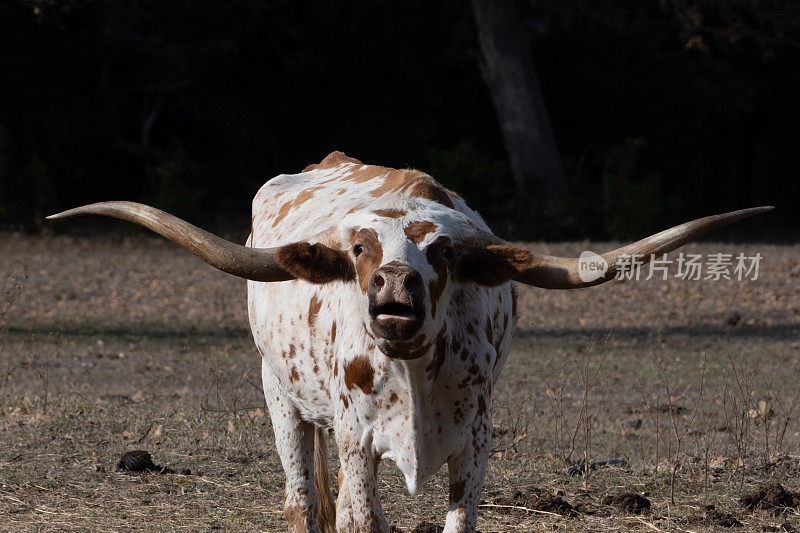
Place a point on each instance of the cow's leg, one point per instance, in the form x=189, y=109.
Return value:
x=358, y=508
x=294, y=440
x=344, y=510
x=467, y=470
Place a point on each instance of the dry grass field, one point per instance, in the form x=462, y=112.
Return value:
x=123, y=343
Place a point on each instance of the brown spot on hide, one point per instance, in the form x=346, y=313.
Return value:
x=497, y=346
x=481, y=406
x=343, y=398
x=301, y=198
x=457, y=490
x=332, y=160
x=493, y=264
x=391, y=213
x=489, y=331
x=455, y=344
x=313, y=309
x=439, y=354
x=412, y=183
x=333, y=332
x=315, y=263
x=370, y=258
x=426, y=188
x=304, y=196
x=294, y=376
x=282, y=212
x=292, y=351
x=393, y=397
x=416, y=231
x=359, y=373
x=396, y=181
x=441, y=267
x=362, y=174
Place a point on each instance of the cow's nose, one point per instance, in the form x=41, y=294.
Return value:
x=395, y=282
x=377, y=280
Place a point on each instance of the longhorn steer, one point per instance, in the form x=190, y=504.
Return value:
x=391, y=324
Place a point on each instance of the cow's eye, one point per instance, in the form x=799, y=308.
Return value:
x=448, y=253
x=357, y=249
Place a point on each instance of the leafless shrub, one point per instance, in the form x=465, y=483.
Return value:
x=708, y=437
x=588, y=371
x=652, y=401
x=786, y=403
x=763, y=403
x=563, y=438
x=680, y=424
x=42, y=365
x=11, y=292
x=228, y=396
x=773, y=407
x=577, y=377
x=514, y=424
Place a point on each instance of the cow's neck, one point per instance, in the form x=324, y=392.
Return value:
x=428, y=401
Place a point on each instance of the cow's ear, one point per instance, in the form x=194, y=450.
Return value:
x=493, y=264
x=316, y=262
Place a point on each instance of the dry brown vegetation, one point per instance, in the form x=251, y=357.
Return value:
x=115, y=344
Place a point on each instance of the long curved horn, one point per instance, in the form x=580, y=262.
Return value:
x=257, y=264
x=550, y=272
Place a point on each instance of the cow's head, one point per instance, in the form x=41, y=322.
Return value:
x=407, y=258
x=401, y=261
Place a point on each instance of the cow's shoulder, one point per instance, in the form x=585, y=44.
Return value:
x=289, y=206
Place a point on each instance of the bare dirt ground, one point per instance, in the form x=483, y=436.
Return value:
x=124, y=343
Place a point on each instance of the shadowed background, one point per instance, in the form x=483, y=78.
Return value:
x=639, y=114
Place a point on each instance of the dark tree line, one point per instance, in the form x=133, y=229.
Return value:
x=555, y=120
